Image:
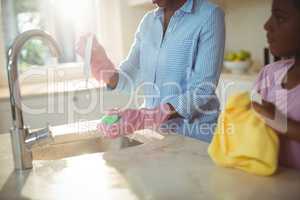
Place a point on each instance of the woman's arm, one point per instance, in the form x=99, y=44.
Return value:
x=201, y=85
x=128, y=75
x=174, y=114
x=113, y=82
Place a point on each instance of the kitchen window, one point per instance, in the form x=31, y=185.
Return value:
x=65, y=20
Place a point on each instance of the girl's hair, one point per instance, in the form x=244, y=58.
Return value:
x=297, y=3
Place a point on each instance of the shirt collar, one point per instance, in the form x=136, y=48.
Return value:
x=186, y=8
x=158, y=12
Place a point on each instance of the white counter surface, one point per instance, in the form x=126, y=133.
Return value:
x=171, y=168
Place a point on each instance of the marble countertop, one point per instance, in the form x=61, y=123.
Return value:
x=168, y=167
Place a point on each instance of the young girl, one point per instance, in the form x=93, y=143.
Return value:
x=279, y=83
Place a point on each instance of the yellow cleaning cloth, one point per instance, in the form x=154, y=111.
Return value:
x=243, y=141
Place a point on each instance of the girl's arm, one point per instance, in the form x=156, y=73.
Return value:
x=293, y=130
x=268, y=112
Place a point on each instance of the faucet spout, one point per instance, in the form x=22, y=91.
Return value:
x=20, y=135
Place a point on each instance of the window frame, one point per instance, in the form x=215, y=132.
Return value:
x=110, y=30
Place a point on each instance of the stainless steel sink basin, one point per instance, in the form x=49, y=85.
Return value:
x=79, y=147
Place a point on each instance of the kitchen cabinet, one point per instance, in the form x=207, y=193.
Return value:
x=5, y=116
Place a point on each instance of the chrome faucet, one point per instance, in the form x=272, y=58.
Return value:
x=21, y=137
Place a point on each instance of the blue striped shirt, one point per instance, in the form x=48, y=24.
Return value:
x=181, y=67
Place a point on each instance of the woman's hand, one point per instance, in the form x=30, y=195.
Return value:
x=132, y=120
x=101, y=66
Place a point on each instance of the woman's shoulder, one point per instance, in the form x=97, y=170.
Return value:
x=205, y=7
x=150, y=15
x=147, y=19
x=205, y=11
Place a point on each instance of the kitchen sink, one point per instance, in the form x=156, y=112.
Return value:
x=72, y=148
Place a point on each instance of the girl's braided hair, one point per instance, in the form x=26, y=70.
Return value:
x=297, y=3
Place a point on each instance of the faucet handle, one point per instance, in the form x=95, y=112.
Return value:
x=40, y=137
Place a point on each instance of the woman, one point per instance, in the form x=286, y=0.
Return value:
x=177, y=57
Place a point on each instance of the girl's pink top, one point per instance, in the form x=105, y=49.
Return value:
x=269, y=85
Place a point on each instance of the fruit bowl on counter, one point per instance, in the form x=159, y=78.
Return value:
x=238, y=62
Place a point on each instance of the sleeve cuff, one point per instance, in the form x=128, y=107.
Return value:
x=120, y=85
x=180, y=107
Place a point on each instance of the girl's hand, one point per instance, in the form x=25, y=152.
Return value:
x=272, y=116
x=265, y=110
